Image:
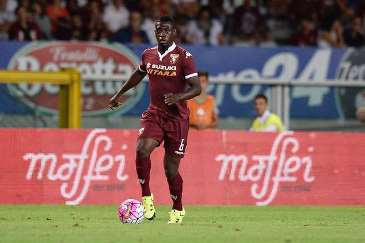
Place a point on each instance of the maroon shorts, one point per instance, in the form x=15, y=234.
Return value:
x=163, y=127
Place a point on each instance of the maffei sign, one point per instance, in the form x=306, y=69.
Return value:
x=91, y=59
x=220, y=167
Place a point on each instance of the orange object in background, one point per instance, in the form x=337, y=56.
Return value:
x=202, y=114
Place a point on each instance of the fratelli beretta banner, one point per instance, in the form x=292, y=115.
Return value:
x=97, y=60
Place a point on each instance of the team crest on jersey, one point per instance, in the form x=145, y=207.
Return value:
x=173, y=58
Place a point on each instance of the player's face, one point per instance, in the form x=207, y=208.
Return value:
x=164, y=33
x=260, y=106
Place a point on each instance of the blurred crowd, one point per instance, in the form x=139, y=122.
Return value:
x=324, y=23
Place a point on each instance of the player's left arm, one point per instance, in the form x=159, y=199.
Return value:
x=193, y=90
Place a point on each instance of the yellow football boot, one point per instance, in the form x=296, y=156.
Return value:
x=176, y=216
x=149, y=208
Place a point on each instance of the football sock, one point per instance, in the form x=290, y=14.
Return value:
x=176, y=188
x=143, y=165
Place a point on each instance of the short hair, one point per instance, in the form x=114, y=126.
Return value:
x=261, y=96
x=166, y=19
x=203, y=73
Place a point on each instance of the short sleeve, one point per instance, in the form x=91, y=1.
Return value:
x=142, y=65
x=189, y=66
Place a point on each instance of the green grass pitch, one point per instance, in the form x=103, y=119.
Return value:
x=201, y=224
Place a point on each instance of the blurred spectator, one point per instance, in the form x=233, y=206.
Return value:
x=278, y=21
x=246, y=20
x=148, y=25
x=7, y=16
x=72, y=6
x=133, y=33
x=116, y=15
x=265, y=121
x=331, y=35
x=328, y=11
x=24, y=3
x=165, y=7
x=264, y=38
x=203, y=110
x=70, y=29
x=55, y=12
x=354, y=36
x=23, y=28
x=96, y=29
x=304, y=9
x=263, y=23
x=205, y=30
x=189, y=8
x=307, y=34
x=42, y=20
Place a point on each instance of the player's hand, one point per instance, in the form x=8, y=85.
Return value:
x=114, y=103
x=171, y=98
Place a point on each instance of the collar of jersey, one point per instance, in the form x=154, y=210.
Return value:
x=264, y=116
x=170, y=49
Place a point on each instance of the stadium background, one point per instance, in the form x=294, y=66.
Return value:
x=241, y=44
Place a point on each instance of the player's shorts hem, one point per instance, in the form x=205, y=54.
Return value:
x=151, y=137
x=177, y=154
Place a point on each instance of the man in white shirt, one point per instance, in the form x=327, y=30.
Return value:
x=116, y=15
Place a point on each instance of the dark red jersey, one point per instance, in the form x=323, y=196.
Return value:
x=167, y=73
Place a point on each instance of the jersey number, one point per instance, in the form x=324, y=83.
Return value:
x=181, y=148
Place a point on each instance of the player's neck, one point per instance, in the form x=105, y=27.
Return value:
x=163, y=48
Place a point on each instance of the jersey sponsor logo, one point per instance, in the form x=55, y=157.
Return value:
x=161, y=70
x=161, y=73
x=163, y=67
x=173, y=58
x=91, y=59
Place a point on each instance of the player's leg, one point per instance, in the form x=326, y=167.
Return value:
x=145, y=146
x=175, y=181
x=150, y=137
x=175, y=144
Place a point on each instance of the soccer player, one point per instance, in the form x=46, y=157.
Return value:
x=265, y=121
x=172, y=80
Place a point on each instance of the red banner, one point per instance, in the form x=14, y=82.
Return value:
x=220, y=167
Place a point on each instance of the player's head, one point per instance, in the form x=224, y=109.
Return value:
x=204, y=79
x=261, y=104
x=165, y=30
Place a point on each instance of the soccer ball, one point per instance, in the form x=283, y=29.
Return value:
x=131, y=211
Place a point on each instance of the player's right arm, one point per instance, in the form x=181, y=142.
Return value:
x=133, y=81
